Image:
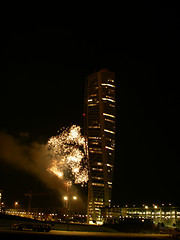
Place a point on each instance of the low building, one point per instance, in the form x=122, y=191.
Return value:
x=168, y=215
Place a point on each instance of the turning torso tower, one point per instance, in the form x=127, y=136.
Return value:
x=100, y=132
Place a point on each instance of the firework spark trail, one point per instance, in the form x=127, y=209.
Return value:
x=68, y=150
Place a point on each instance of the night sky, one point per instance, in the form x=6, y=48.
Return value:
x=44, y=65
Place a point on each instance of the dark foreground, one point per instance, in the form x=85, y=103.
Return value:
x=6, y=233
x=9, y=230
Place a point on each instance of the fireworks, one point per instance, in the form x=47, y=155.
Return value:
x=67, y=151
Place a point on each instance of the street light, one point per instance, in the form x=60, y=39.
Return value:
x=67, y=200
x=74, y=198
x=15, y=204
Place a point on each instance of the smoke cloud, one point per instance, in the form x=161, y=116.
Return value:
x=33, y=158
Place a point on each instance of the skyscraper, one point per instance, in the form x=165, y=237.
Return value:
x=100, y=132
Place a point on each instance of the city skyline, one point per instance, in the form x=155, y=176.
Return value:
x=43, y=74
x=138, y=130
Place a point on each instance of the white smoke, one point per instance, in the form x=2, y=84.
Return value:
x=33, y=158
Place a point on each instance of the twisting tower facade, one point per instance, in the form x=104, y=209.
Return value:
x=100, y=132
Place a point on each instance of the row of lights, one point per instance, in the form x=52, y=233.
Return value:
x=75, y=215
x=16, y=203
x=145, y=206
x=30, y=213
x=141, y=217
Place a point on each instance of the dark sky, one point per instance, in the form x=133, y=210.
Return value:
x=44, y=66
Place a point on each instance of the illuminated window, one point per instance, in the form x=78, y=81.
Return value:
x=93, y=95
x=108, y=99
x=110, y=148
x=106, y=130
x=97, y=209
x=107, y=84
x=98, y=184
x=111, y=105
x=99, y=164
x=109, y=120
x=100, y=203
x=94, y=137
x=93, y=104
x=97, y=169
x=109, y=115
x=98, y=149
x=110, y=96
x=98, y=178
x=92, y=151
x=109, y=165
x=95, y=143
x=110, y=80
